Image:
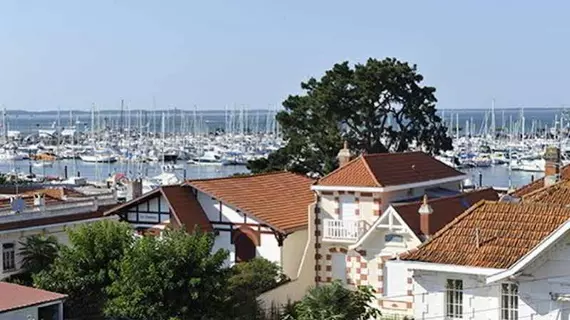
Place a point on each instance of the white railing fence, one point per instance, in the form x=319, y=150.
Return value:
x=349, y=230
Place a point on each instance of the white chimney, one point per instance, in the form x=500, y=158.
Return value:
x=39, y=200
x=343, y=155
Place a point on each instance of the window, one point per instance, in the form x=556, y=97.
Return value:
x=338, y=267
x=454, y=299
x=393, y=238
x=8, y=257
x=509, y=301
x=347, y=206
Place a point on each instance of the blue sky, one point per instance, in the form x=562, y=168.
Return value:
x=251, y=52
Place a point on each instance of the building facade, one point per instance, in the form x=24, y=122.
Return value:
x=44, y=211
x=358, y=227
x=252, y=216
x=498, y=260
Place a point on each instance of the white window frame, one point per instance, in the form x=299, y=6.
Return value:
x=395, y=243
x=347, y=202
x=509, y=301
x=8, y=257
x=453, y=299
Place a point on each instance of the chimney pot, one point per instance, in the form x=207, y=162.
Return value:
x=425, y=212
x=344, y=155
x=552, y=165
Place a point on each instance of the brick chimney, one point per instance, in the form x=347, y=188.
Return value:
x=552, y=165
x=343, y=155
x=425, y=212
x=134, y=189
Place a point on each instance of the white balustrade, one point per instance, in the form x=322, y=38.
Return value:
x=343, y=230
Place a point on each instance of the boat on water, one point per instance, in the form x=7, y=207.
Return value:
x=42, y=164
x=209, y=158
x=98, y=158
x=11, y=156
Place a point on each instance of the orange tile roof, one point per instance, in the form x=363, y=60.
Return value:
x=187, y=210
x=389, y=169
x=279, y=199
x=14, y=297
x=182, y=202
x=506, y=232
x=445, y=209
x=556, y=194
x=539, y=183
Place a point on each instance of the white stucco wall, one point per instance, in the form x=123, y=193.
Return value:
x=549, y=274
x=268, y=248
x=305, y=277
x=18, y=235
x=292, y=252
x=28, y=313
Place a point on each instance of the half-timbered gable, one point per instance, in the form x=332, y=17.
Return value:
x=252, y=216
x=175, y=206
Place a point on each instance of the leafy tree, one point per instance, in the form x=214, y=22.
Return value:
x=84, y=269
x=379, y=106
x=335, y=302
x=173, y=277
x=247, y=282
x=38, y=252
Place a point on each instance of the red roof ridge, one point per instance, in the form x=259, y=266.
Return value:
x=383, y=154
x=481, y=204
x=438, y=199
x=367, y=166
x=243, y=176
x=455, y=221
x=557, y=184
x=347, y=165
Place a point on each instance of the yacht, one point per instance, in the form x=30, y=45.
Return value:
x=209, y=158
x=98, y=158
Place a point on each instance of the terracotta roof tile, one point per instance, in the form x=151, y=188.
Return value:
x=389, y=169
x=182, y=202
x=506, y=232
x=279, y=199
x=556, y=194
x=539, y=183
x=445, y=209
x=187, y=210
x=13, y=296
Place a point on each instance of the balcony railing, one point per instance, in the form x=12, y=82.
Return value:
x=344, y=230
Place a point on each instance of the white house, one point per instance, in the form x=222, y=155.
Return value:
x=25, y=303
x=498, y=260
x=48, y=211
x=367, y=213
x=257, y=215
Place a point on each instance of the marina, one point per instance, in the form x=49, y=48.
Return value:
x=495, y=147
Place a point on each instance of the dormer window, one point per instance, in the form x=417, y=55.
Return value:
x=392, y=238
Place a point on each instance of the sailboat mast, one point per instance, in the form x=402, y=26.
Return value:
x=493, y=125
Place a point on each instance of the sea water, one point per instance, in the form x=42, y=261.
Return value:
x=180, y=121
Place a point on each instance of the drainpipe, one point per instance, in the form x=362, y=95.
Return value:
x=317, y=232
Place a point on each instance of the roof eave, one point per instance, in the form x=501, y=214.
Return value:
x=447, y=268
x=533, y=254
x=261, y=221
x=390, y=188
